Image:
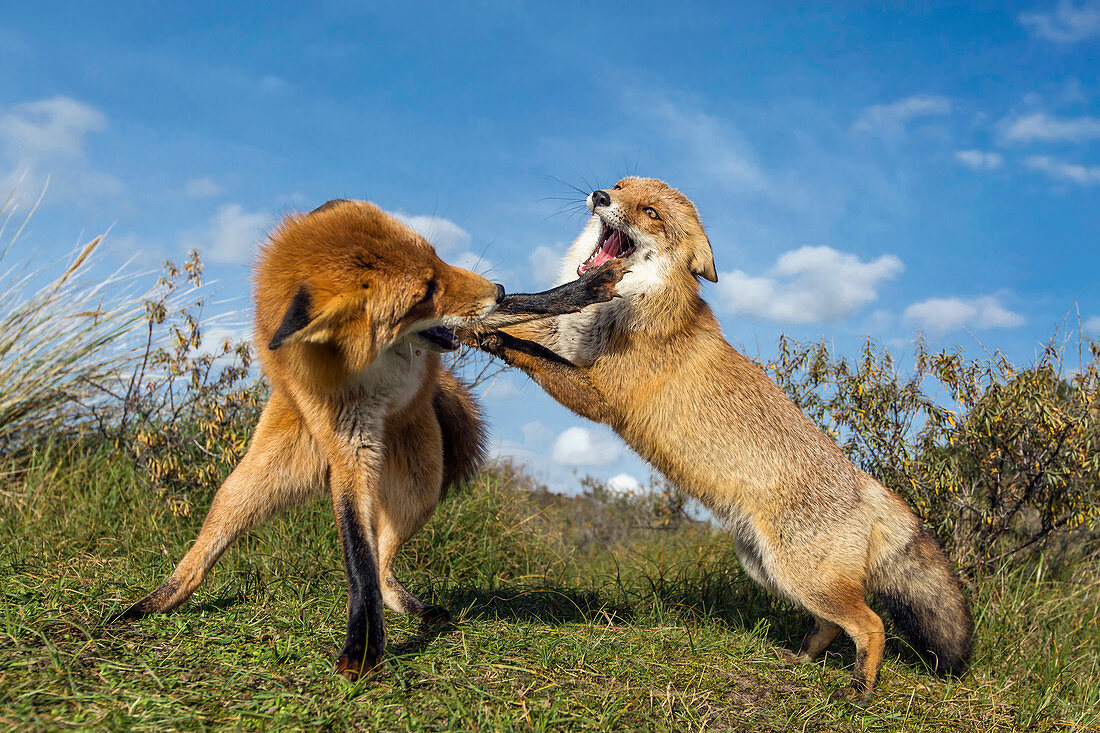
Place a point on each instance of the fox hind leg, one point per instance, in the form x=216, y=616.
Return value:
x=847, y=610
x=837, y=603
x=282, y=467
x=394, y=594
x=817, y=639
x=410, y=491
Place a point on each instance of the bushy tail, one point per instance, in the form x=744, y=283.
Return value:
x=925, y=599
x=463, y=430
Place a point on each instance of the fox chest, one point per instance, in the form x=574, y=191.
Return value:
x=391, y=382
x=582, y=337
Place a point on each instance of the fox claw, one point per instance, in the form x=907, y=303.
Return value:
x=491, y=343
x=355, y=668
x=466, y=337
x=128, y=614
x=854, y=692
x=602, y=280
x=435, y=615
x=787, y=658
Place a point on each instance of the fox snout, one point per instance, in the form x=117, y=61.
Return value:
x=467, y=295
x=490, y=303
x=597, y=199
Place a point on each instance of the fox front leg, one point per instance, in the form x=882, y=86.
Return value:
x=595, y=286
x=562, y=380
x=355, y=470
x=366, y=635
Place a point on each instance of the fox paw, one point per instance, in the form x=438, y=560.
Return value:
x=434, y=615
x=600, y=283
x=787, y=658
x=357, y=663
x=855, y=692
x=355, y=668
x=466, y=337
x=491, y=343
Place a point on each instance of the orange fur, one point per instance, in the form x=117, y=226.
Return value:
x=357, y=400
x=360, y=400
x=655, y=366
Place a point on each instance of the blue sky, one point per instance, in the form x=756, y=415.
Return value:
x=861, y=169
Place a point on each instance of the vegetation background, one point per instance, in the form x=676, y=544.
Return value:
x=598, y=611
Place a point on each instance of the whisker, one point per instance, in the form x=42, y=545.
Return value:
x=567, y=184
x=584, y=180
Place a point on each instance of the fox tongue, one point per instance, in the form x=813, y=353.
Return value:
x=608, y=251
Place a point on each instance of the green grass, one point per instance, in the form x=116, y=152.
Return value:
x=660, y=631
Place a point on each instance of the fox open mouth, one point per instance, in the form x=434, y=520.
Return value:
x=440, y=337
x=611, y=245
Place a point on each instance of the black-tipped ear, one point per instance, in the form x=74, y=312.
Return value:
x=295, y=319
x=701, y=260
x=329, y=205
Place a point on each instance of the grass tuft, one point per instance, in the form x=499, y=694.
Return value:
x=60, y=334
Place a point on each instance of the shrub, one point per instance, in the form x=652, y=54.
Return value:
x=1000, y=461
x=186, y=411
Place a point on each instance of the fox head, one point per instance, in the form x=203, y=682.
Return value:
x=649, y=225
x=349, y=275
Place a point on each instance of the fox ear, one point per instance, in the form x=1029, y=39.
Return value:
x=701, y=258
x=297, y=326
x=294, y=320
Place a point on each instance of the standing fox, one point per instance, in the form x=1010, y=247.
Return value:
x=351, y=307
x=654, y=366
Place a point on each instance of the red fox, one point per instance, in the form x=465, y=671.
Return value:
x=654, y=365
x=351, y=308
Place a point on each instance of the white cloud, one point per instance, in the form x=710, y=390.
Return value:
x=1067, y=23
x=451, y=242
x=57, y=125
x=214, y=337
x=1062, y=171
x=139, y=250
x=443, y=234
x=232, y=235
x=203, y=188
x=947, y=314
x=545, y=265
x=474, y=262
x=535, y=434
x=1044, y=128
x=48, y=138
x=892, y=118
x=977, y=160
x=579, y=446
x=270, y=84
x=624, y=483
x=713, y=145
x=808, y=285
x=500, y=388
x=1092, y=326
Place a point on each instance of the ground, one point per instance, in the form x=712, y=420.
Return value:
x=660, y=631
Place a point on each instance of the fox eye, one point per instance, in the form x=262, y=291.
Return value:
x=432, y=287
x=617, y=187
x=651, y=213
